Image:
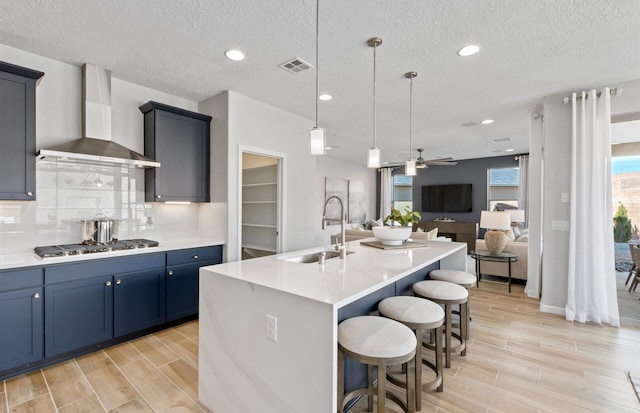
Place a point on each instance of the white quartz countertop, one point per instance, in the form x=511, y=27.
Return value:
x=339, y=281
x=10, y=261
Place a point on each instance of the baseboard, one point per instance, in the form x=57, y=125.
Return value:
x=553, y=310
x=629, y=322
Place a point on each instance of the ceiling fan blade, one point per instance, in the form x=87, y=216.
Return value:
x=421, y=166
x=441, y=159
x=441, y=163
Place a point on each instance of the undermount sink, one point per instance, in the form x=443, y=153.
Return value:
x=315, y=257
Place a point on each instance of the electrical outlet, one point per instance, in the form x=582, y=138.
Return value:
x=272, y=328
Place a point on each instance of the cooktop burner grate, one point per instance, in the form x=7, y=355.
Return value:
x=78, y=249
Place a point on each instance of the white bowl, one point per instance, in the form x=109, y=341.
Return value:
x=392, y=235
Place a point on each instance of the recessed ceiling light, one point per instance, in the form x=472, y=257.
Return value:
x=467, y=124
x=509, y=150
x=325, y=96
x=487, y=121
x=468, y=50
x=234, y=54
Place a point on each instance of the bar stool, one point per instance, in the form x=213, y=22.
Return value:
x=447, y=294
x=463, y=278
x=421, y=316
x=378, y=342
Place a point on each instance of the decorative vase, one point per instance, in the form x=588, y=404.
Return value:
x=392, y=235
x=495, y=241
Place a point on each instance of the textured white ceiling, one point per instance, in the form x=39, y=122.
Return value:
x=530, y=49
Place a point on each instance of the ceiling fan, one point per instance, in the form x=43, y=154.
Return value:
x=422, y=164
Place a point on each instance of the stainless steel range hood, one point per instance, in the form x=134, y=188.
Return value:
x=96, y=147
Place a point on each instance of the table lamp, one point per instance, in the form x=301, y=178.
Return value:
x=495, y=221
x=517, y=215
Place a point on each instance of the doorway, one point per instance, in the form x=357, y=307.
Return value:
x=260, y=204
x=625, y=174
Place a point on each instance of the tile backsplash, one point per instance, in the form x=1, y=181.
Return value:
x=67, y=193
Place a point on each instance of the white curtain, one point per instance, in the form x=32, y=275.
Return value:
x=523, y=188
x=386, y=191
x=533, y=208
x=591, y=282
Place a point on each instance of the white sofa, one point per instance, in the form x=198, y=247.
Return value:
x=518, y=268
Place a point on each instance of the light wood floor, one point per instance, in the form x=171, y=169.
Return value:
x=518, y=360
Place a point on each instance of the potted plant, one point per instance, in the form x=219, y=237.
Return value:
x=410, y=217
x=396, y=235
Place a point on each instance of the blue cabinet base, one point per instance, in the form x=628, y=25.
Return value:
x=89, y=349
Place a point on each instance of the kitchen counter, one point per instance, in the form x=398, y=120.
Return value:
x=241, y=370
x=30, y=259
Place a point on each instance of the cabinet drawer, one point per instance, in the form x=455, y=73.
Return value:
x=191, y=255
x=19, y=279
x=97, y=268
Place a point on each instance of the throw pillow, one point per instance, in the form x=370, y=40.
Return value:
x=357, y=227
x=433, y=234
x=523, y=238
x=375, y=223
x=510, y=235
x=516, y=232
x=419, y=229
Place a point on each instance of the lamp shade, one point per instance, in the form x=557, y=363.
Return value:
x=410, y=168
x=373, y=160
x=495, y=220
x=517, y=215
x=318, y=141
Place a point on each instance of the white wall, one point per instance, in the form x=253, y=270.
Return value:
x=336, y=168
x=254, y=124
x=58, y=120
x=556, y=180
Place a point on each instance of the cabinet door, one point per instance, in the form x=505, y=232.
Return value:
x=18, y=139
x=139, y=301
x=79, y=314
x=21, y=327
x=181, y=144
x=182, y=289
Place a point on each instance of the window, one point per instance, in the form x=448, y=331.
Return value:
x=402, y=192
x=502, y=193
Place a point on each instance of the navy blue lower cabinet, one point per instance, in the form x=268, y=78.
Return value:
x=21, y=327
x=139, y=301
x=78, y=314
x=182, y=289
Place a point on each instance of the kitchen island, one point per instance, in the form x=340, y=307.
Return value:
x=268, y=326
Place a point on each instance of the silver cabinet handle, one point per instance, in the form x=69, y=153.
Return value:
x=108, y=283
x=29, y=193
x=118, y=282
x=170, y=273
x=195, y=257
x=36, y=295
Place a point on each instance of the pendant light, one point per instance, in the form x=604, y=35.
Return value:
x=373, y=160
x=318, y=140
x=410, y=165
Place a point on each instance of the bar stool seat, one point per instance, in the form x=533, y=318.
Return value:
x=463, y=278
x=447, y=294
x=420, y=315
x=379, y=342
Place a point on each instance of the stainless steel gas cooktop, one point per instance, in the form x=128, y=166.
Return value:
x=78, y=249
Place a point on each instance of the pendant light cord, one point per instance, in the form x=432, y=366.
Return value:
x=374, y=95
x=410, y=118
x=317, y=62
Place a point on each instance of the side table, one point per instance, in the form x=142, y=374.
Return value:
x=484, y=255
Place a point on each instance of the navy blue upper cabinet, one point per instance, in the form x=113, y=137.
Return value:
x=179, y=139
x=18, y=132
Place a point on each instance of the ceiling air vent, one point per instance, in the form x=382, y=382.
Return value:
x=295, y=65
x=502, y=140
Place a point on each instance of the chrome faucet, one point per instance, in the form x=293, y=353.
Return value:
x=342, y=246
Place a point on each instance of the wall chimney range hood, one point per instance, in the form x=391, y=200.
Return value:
x=96, y=147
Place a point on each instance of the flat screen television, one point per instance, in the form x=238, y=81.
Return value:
x=446, y=198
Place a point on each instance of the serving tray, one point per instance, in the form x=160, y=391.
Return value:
x=405, y=245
